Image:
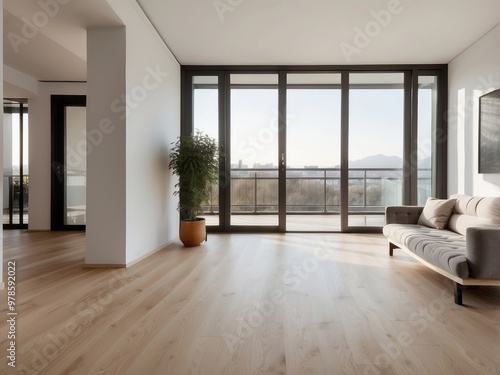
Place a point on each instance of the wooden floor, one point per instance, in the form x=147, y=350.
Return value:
x=245, y=304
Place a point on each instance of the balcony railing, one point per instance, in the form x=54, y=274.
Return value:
x=15, y=196
x=316, y=190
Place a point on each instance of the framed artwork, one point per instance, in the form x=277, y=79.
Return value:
x=489, y=132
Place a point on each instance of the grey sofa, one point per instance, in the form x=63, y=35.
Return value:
x=467, y=251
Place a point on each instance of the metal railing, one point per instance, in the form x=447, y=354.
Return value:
x=15, y=199
x=314, y=190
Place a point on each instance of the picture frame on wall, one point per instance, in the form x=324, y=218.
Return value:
x=489, y=132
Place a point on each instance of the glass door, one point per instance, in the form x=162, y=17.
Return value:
x=206, y=102
x=15, y=166
x=376, y=146
x=254, y=155
x=318, y=151
x=75, y=201
x=313, y=152
x=69, y=162
x=426, y=137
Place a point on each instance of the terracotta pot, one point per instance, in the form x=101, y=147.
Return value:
x=193, y=233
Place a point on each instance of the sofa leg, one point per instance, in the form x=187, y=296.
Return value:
x=458, y=293
x=391, y=248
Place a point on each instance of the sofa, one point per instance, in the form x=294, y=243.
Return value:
x=457, y=237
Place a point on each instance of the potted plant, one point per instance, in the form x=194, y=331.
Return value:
x=195, y=160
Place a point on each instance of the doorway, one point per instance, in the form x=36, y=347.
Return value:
x=69, y=162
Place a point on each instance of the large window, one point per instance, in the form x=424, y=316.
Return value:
x=15, y=165
x=427, y=137
x=206, y=119
x=254, y=149
x=376, y=139
x=313, y=152
x=325, y=149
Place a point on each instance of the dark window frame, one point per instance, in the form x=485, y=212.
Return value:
x=411, y=73
x=21, y=109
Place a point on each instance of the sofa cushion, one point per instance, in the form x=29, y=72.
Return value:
x=472, y=212
x=436, y=212
x=443, y=248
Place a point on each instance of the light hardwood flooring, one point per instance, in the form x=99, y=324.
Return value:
x=245, y=304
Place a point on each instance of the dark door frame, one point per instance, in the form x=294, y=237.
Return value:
x=58, y=150
x=21, y=110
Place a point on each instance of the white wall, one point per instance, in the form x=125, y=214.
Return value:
x=18, y=84
x=131, y=210
x=106, y=185
x=473, y=73
x=39, y=149
x=153, y=122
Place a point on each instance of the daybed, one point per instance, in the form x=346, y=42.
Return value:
x=458, y=237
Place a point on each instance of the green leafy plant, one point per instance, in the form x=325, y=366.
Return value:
x=195, y=159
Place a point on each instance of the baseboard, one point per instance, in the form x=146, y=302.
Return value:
x=90, y=265
x=134, y=262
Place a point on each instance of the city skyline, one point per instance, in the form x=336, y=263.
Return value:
x=313, y=124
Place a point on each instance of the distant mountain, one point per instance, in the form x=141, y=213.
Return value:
x=425, y=163
x=377, y=161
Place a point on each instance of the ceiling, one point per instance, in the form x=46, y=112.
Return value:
x=57, y=49
x=320, y=31
x=261, y=32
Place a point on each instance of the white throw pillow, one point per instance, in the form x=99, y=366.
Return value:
x=437, y=212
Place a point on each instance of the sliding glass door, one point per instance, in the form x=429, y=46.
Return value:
x=206, y=119
x=322, y=150
x=15, y=164
x=253, y=158
x=69, y=162
x=313, y=152
x=376, y=146
x=426, y=136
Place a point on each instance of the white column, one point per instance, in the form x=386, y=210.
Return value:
x=106, y=153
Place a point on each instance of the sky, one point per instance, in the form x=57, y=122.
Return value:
x=313, y=124
x=12, y=120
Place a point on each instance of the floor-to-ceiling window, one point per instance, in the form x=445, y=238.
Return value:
x=313, y=125
x=376, y=146
x=205, y=114
x=427, y=137
x=15, y=165
x=319, y=149
x=253, y=156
